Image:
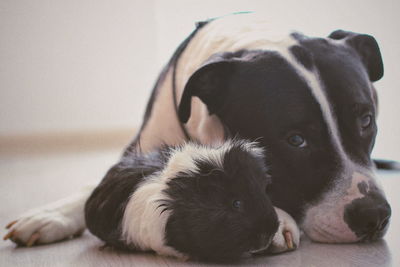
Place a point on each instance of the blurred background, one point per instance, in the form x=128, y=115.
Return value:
x=79, y=72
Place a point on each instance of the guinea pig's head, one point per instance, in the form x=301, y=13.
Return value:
x=217, y=202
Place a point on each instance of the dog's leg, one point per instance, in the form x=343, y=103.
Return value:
x=288, y=235
x=53, y=222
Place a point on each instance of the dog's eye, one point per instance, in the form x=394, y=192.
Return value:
x=366, y=121
x=297, y=140
x=237, y=204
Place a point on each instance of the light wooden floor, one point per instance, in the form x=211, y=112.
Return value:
x=36, y=179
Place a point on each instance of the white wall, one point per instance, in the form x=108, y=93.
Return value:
x=73, y=65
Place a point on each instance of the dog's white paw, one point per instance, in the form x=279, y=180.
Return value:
x=288, y=235
x=56, y=221
x=40, y=227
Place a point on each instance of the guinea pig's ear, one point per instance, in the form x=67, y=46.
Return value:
x=368, y=49
x=209, y=83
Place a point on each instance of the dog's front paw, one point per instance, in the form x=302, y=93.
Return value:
x=287, y=237
x=41, y=227
x=53, y=222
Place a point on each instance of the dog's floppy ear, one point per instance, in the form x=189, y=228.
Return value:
x=209, y=83
x=368, y=49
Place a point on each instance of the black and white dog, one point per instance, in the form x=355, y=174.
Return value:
x=191, y=201
x=309, y=101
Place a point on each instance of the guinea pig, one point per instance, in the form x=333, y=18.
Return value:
x=192, y=201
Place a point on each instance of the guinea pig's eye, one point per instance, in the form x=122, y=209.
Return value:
x=237, y=204
x=366, y=121
x=297, y=140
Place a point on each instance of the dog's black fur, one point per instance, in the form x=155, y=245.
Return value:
x=265, y=88
x=207, y=222
x=251, y=92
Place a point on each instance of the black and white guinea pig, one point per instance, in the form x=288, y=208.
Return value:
x=192, y=201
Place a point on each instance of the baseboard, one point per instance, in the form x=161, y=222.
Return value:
x=61, y=142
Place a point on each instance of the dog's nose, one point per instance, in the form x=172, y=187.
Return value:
x=368, y=218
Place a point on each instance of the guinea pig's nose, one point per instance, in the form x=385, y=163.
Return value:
x=368, y=220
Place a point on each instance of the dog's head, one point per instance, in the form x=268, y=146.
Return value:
x=311, y=103
x=217, y=201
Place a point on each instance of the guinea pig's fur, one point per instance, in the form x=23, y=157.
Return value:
x=191, y=201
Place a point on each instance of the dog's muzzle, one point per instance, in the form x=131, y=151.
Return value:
x=355, y=210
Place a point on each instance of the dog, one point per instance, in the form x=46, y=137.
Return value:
x=310, y=101
x=192, y=202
